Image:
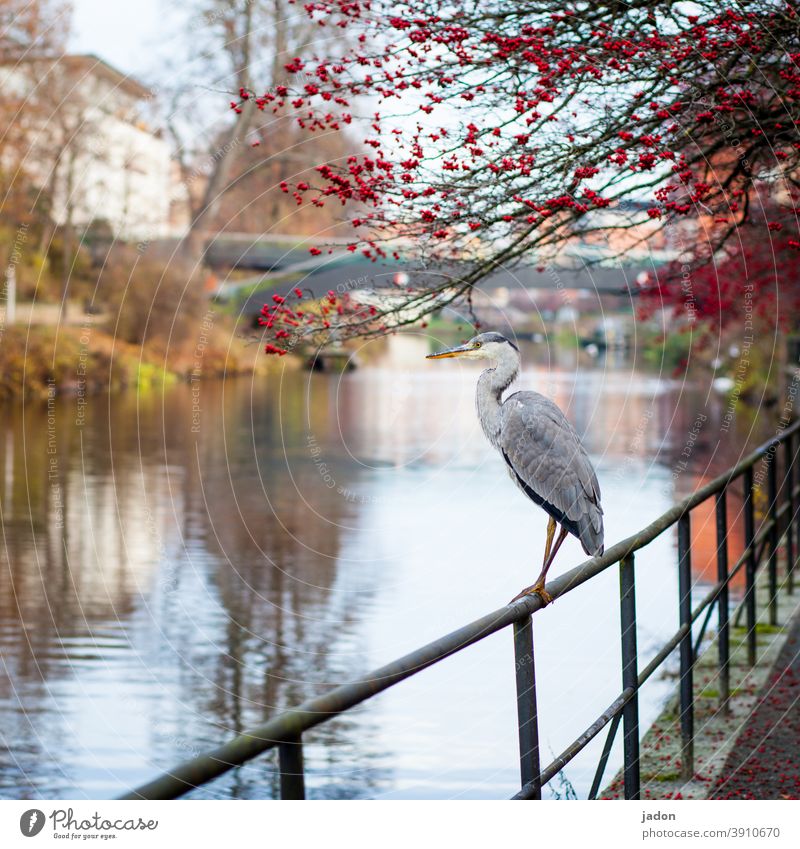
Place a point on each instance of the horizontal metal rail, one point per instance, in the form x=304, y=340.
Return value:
x=285, y=730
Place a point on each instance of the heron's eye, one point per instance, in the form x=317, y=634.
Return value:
x=476, y=344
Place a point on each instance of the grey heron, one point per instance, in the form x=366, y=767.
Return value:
x=543, y=454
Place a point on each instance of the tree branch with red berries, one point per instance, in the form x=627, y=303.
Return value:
x=495, y=133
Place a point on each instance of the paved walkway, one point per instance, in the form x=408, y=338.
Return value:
x=765, y=760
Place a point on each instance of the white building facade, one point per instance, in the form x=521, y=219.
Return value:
x=89, y=150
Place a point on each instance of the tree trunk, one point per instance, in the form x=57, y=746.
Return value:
x=193, y=245
x=223, y=158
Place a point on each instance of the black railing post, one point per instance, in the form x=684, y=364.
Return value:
x=790, y=519
x=723, y=630
x=530, y=771
x=750, y=566
x=290, y=761
x=774, y=533
x=687, y=655
x=630, y=675
x=601, y=766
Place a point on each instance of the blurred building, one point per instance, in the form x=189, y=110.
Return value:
x=90, y=150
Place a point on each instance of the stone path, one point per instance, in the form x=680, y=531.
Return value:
x=765, y=760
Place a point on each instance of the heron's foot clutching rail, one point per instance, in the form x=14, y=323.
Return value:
x=535, y=589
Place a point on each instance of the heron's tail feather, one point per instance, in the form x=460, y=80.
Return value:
x=591, y=532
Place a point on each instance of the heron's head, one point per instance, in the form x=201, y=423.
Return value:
x=484, y=346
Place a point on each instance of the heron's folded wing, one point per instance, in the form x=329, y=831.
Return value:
x=548, y=461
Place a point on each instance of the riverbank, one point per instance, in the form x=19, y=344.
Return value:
x=87, y=358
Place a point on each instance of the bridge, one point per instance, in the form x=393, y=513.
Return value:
x=345, y=272
x=281, y=262
x=770, y=468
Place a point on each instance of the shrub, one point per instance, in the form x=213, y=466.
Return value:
x=147, y=300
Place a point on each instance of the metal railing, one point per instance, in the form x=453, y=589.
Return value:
x=285, y=731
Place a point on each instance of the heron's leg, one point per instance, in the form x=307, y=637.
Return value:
x=550, y=553
x=561, y=537
x=551, y=532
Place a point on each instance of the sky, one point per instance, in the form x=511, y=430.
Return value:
x=151, y=40
x=128, y=35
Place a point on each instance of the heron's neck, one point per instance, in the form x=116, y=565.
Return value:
x=489, y=396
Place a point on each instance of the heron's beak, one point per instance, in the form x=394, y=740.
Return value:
x=449, y=352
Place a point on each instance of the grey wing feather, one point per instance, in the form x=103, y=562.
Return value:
x=548, y=462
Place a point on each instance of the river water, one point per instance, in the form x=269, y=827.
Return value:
x=177, y=566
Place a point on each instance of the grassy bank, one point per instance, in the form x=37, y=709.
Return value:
x=88, y=358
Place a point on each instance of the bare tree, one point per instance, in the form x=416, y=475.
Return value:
x=240, y=43
x=27, y=26
x=28, y=29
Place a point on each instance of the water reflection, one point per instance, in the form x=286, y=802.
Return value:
x=165, y=587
